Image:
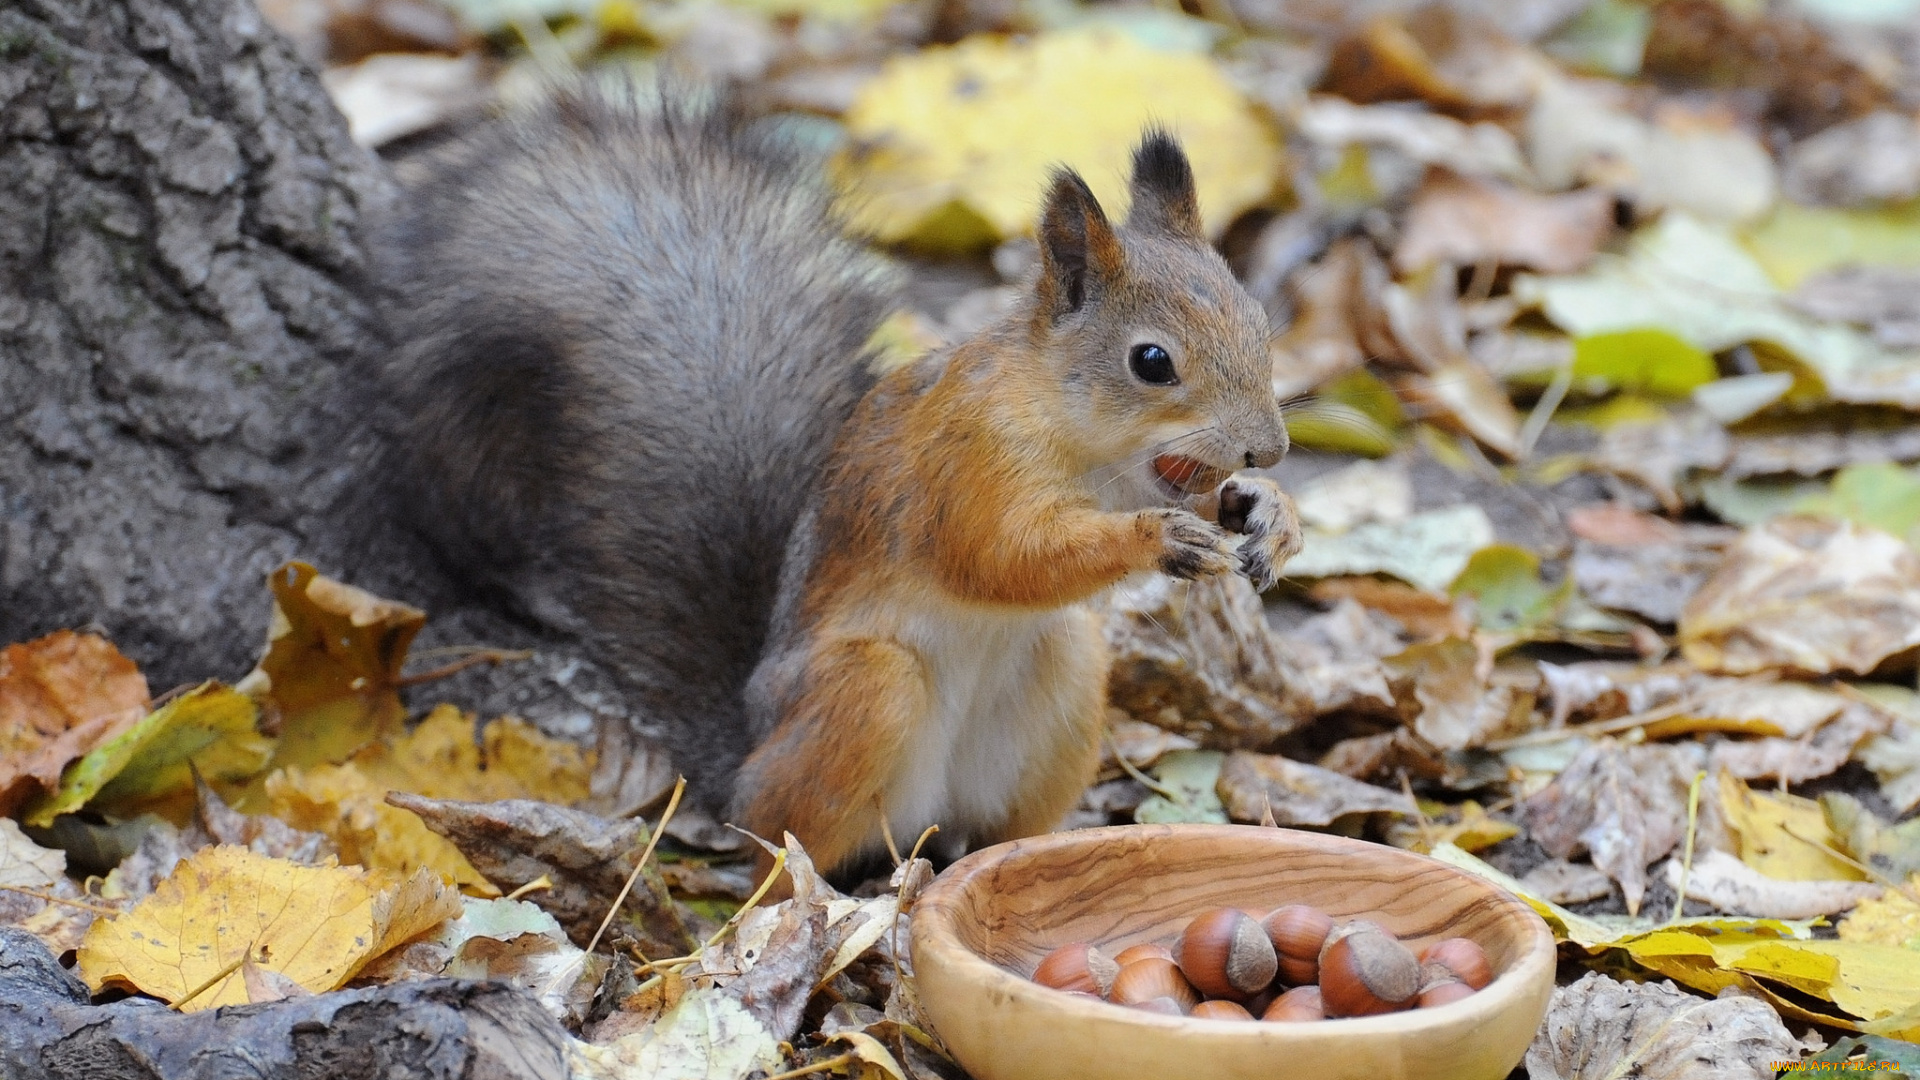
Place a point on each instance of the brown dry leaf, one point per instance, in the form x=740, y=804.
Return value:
x=1600, y=1029
x=1872, y=160
x=1202, y=658
x=258, y=833
x=1558, y=881
x=1322, y=341
x=438, y=758
x=1140, y=745
x=1480, y=149
x=1732, y=886
x=1661, y=453
x=1384, y=756
x=1626, y=805
x=1806, y=594
x=1425, y=616
x=1456, y=707
x=1630, y=561
x=315, y=925
x=1254, y=786
x=1451, y=387
x=1461, y=221
x=587, y=859
x=332, y=666
x=60, y=696
x=1809, y=83
x=1437, y=54
x=1790, y=760
x=26, y=865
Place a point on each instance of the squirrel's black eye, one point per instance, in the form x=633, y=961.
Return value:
x=1151, y=364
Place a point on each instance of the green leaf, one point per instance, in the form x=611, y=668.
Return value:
x=1651, y=360
x=1875, y=1049
x=1505, y=584
x=1882, y=496
x=1190, y=781
x=210, y=726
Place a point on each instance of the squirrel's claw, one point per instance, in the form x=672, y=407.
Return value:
x=1256, y=508
x=1195, y=547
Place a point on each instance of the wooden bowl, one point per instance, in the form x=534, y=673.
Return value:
x=981, y=928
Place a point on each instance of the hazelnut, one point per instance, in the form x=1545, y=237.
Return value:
x=1163, y=1005
x=1366, y=972
x=1141, y=952
x=1298, y=932
x=1221, y=1010
x=1224, y=953
x=1443, y=992
x=1153, y=977
x=1464, y=957
x=1298, y=1005
x=1078, y=966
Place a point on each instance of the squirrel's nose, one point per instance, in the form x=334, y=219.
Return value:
x=1268, y=456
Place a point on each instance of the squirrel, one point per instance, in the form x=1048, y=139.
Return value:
x=631, y=371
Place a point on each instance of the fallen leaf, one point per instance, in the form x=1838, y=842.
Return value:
x=1661, y=453
x=1189, y=783
x=1626, y=805
x=1893, y=851
x=26, y=865
x=210, y=728
x=1795, y=243
x=1807, y=594
x=1422, y=615
x=60, y=696
x=1322, y=343
x=1582, y=131
x=1600, y=1029
x=388, y=96
x=1204, y=653
x=1452, y=705
x=1137, y=743
x=1256, y=786
x=1509, y=597
x=1427, y=550
x=439, y=759
x=315, y=925
x=1650, y=579
x=1479, y=149
x=1460, y=221
x=1806, y=82
x=330, y=675
x=1864, y=1052
x=1730, y=885
x=259, y=833
x=1895, y=761
x=1468, y=827
x=1365, y=491
x=1891, y=918
x=706, y=1035
x=949, y=147
x=1883, y=299
x=587, y=859
x=1880, y=496
x=1874, y=159
x=1563, y=882
x=1650, y=361
x=1696, y=282
x=1440, y=54
x=1782, y=836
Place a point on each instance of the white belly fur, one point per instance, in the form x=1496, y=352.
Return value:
x=999, y=704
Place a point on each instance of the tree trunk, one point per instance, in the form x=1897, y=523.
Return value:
x=182, y=294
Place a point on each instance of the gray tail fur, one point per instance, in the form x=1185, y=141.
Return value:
x=626, y=334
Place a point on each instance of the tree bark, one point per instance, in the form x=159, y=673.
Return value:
x=183, y=293
x=435, y=1029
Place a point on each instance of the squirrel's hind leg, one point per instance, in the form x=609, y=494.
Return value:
x=822, y=774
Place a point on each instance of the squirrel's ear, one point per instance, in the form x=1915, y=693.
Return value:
x=1079, y=254
x=1163, y=198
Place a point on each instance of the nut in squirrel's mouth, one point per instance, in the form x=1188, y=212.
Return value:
x=1181, y=476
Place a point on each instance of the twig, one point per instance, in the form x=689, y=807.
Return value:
x=97, y=909
x=1127, y=767
x=1597, y=727
x=1426, y=826
x=536, y=885
x=1693, y=821
x=486, y=656
x=827, y=1065
x=640, y=864
x=886, y=832
x=1543, y=410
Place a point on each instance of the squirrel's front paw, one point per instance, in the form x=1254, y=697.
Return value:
x=1256, y=508
x=1193, y=546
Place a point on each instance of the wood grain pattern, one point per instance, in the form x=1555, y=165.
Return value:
x=981, y=928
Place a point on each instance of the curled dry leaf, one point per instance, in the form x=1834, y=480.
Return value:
x=1626, y=805
x=1252, y=785
x=1558, y=881
x=26, y=865
x=1204, y=654
x=60, y=696
x=315, y=925
x=1481, y=149
x=330, y=674
x=586, y=858
x=1599, y=1028
x=1461, y=221
x=1805, y=594
x=1732, y=886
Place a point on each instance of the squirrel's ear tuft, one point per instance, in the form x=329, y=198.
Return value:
x=1163, y=197
x=1079, y=254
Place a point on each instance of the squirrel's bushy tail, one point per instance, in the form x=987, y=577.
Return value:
x=626, y=333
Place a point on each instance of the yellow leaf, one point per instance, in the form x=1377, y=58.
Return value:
x=315, y=925
x=1893, y=919
x=1781, y=835
x=1797, y=242
x=332, y=665
x=951, y=146
x=439, y=759
x=210, y=726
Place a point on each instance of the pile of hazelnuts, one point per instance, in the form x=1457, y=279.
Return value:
x=1295, y=964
